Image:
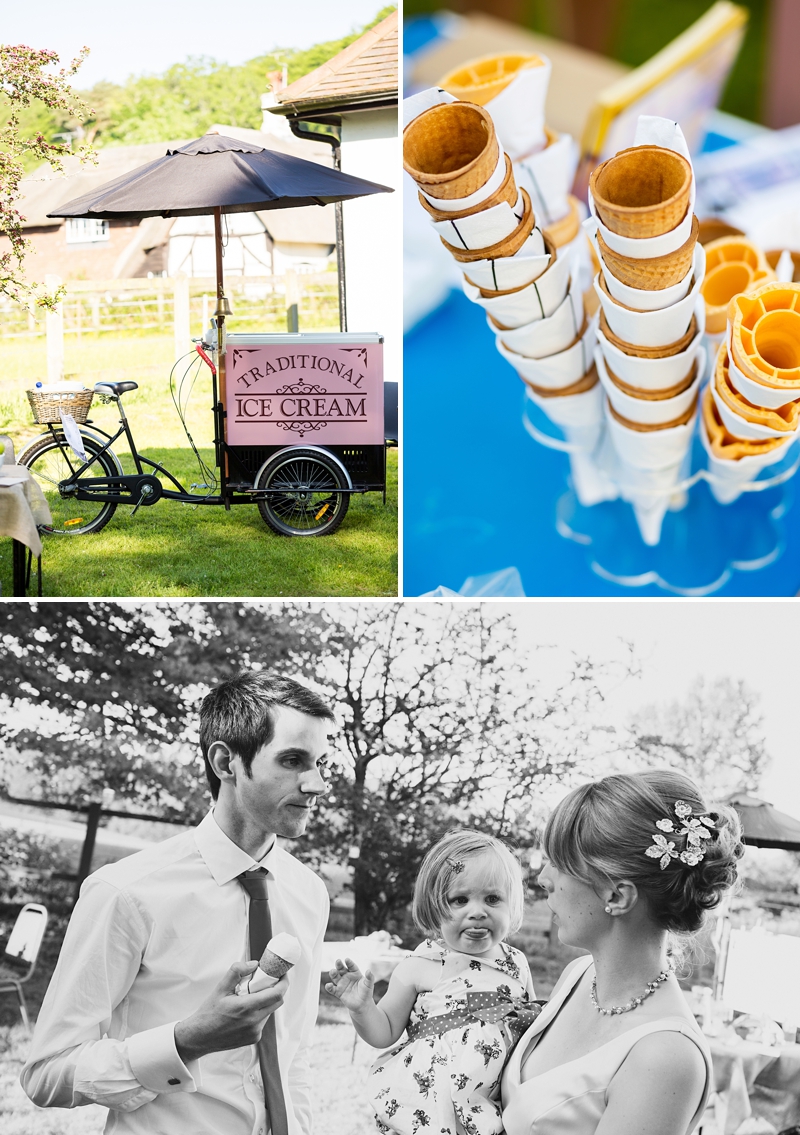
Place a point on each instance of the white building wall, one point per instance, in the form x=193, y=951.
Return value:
x=373, y=232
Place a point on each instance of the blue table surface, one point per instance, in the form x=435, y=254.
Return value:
x=481, y=495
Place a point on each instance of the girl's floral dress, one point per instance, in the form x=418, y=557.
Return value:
x=449, y=1084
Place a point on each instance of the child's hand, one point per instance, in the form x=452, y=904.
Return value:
x=350, y=985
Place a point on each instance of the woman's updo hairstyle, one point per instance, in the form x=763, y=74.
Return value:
x=600, y=832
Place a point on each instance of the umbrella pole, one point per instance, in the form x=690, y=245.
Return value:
x=220, y=313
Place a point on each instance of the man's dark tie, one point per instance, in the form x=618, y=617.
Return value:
x=260, y=924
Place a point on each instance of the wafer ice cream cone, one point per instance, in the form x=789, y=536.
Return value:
x=451, y=150
x=773, y=257
x=506, y=192
x=643, y=191
x=784, y=419
x=723, y=445
x=764, y=328
x=282, y=952
x=654, y=373
x=506, y=247
x=712, y=228
x=513, y=88
x=481, y=80
x=673, y=348
x=565, y=229
x=656, y=272
x=580, y=386
x=733, y=265
x=659, y=395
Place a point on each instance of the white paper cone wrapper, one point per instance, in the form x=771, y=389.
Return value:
x=580, y=416
x=455, y=205
x=537, y=301
x=547, y=336
x=651, y=328
x=649, y=492
x=424, y=100
x=642, y=409
x=644, y=248
x=643, y=299
x=548, y=176
x=754, y=392
x=653, y=374
x=480, y=230
x=729, y=477
x=590, y=481
x=557, y=370
x=518, y=111
x=740, y=427
x=652, y=449
x=784, y=270
x=511, y=271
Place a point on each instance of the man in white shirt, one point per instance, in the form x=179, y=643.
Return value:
x=141, y=1015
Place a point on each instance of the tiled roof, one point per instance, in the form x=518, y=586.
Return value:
x=369, y=66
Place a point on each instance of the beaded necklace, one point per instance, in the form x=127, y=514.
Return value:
x=635, y=1002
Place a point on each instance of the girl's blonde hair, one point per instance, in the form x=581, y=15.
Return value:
x=442, y=865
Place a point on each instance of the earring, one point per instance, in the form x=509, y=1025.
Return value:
x=608, y=910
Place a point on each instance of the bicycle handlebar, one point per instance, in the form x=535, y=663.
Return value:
x=206, y=359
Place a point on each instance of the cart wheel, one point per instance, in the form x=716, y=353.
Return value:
x=48, y=466
x=309, y=501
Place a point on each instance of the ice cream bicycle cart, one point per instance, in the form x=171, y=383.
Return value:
x=298, y=419
x=301, y=422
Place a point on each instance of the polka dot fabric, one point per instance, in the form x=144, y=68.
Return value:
x=448, y=1083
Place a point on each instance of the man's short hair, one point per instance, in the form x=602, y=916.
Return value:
x=240, y=712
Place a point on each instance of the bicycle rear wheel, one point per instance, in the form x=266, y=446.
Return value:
x=50, y=464
x=306, y=499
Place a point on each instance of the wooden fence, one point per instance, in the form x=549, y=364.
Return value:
x=181, y=306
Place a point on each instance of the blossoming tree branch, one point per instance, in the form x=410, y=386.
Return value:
x=26, y=76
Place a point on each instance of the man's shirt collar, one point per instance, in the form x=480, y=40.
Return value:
x=225, y=859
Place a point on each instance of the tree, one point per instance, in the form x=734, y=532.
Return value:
x=442, y=726
x=104, y=695
x=25, y=81
x=715, y=735
x=442, y=723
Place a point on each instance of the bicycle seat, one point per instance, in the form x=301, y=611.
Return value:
x=115, y=388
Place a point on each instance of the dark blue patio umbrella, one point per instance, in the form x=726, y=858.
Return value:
x=214, y=175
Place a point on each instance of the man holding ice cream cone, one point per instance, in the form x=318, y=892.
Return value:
x=140, y=1016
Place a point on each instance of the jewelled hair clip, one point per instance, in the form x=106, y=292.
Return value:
x=455, y=865
x=695, y=829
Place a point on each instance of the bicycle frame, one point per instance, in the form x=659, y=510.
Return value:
x=143, y=487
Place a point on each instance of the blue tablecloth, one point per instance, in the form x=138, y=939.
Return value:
x=481, y=495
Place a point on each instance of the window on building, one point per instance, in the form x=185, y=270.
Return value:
x=83, y=230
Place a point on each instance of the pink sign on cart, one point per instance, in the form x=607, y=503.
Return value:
x=322, y=393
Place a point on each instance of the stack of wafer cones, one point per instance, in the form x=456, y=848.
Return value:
x=751, y=409
x=512, y=87
x=467, y=185
x=652, y=318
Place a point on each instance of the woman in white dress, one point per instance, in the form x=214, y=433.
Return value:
x=616, y=1051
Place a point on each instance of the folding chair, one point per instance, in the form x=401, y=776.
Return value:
x=21, y=952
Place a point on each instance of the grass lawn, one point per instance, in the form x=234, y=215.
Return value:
x=180, y=550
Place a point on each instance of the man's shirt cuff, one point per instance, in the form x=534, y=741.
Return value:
x=155, y=1061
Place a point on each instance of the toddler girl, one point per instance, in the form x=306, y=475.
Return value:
x=463, y=997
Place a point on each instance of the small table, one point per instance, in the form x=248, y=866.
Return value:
x=739, y=1065
x=22, y=509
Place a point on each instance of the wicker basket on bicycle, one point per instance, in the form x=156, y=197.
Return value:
x=47, y=406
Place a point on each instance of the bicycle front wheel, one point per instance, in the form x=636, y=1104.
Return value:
x=50, y=464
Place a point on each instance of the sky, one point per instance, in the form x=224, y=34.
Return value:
x=677, y=640
x=151, y=35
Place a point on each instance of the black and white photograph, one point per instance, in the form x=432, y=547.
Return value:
x=458, y=867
